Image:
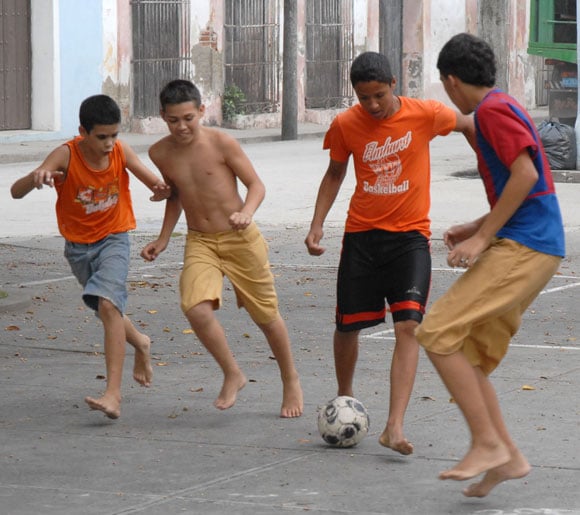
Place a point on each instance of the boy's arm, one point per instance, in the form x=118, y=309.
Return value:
x=172, y=213
x=161, y=191
x=329, y=188
x=523, y=176
x=52, y=169
x=242, y=167
x=466, y=126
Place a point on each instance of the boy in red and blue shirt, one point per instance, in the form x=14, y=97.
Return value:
x=510, y=255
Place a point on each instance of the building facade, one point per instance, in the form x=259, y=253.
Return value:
x=55, y=53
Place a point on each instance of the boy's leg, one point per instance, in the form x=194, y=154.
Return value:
x=276, y=334
x=345, y=358
x=212, y=336
x=142, y=370
x=114, y=328
x=517, y=467
x=402, y=376
x=487, y=450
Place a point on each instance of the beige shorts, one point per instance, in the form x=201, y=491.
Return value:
x=241, y=256
x=482, y=310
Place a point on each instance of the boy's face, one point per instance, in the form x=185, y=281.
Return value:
x=377, y=98
x=101, y=139
x=183, y=120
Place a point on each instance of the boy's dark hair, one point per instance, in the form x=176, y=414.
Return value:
x=98, y=110
x=179, y=91
x=371, y=66
x=468, y=58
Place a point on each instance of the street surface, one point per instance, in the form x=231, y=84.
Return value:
x=172, y=452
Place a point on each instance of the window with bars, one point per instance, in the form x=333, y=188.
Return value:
x=251, y=52
x=329, y=53
x=161, y=50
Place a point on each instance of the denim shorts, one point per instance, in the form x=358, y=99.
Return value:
x=101, y=268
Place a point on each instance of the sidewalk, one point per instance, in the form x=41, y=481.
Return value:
x=29, y=150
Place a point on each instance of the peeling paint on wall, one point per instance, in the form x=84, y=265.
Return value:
x=413, y=64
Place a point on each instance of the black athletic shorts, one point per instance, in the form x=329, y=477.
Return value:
x=376, y=265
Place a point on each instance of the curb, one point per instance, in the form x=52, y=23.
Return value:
x=567, y=176
x=37, y=150
x=560, y=176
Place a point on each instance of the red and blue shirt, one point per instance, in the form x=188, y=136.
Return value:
x=504, y=129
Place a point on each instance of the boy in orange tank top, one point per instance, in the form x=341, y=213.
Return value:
x=95, y=213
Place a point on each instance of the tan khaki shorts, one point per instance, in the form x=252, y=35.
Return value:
x=482, y=310
x=242, y=256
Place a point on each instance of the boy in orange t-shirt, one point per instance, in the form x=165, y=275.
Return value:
x=385, y=253
x=94, y=214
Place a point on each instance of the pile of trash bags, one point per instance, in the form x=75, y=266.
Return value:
x=559, y=142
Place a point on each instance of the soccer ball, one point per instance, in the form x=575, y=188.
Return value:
x=343, y=422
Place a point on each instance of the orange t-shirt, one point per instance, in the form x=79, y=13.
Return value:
x=392, y=163
x=93, y=203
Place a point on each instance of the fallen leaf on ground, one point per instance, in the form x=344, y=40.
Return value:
x=527, y=387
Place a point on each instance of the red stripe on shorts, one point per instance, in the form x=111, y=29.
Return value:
x=363, y=316
x=407, y=304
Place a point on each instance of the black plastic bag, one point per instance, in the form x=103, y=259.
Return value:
x=559, y=142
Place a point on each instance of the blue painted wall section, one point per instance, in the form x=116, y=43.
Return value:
x=81, y=57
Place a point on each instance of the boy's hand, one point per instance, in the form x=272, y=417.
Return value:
x=458, y=233
x=161, y=191
x=240, y=220
x=466, y=253
x=312, y=242
x=42, y=177
x=152, y=250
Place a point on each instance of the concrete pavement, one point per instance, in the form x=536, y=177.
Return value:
x=172, y=452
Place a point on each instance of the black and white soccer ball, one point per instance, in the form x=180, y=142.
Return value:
x=343, y=422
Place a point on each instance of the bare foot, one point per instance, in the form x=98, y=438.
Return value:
x=292, y=400
x=516, y=468
x=233, y=383
x=142, y=370
x=107, y=404
x=400, y=445
x=477, y=460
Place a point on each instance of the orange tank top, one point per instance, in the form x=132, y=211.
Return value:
x=93, y=203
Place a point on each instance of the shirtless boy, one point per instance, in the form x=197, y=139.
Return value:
x=94, y=214
x=203, y=166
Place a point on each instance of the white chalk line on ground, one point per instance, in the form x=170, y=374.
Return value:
x=386, y=334
x=179, y=264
